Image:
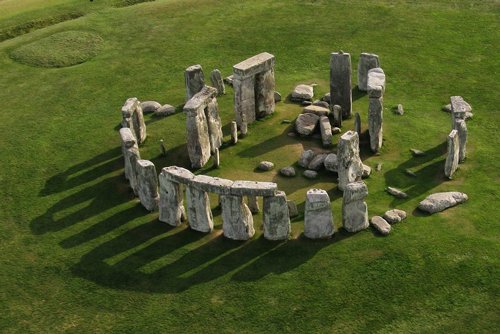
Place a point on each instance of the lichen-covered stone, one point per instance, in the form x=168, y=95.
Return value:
x=305, y=124
x=461, y=128
x=237, y=220
x=331, y=162
x=350, y=167
x=354, y=208
x=147, y=184
x=318, y=218
x=177, y=174
x=302, y=92
x=340, y=82
x=199, y=213
x=367, y=61
x=287, y=171
x=264, y=93
x=276, y=219
x=376, y=83
x=441, y=201
x=171, y=204
x=133, y=118
x=214, y=125
x=317, y=162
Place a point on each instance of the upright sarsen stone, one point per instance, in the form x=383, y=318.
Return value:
x=214, y=125
x=276, y=218
x=218, y=82
x=376, y=82
x=128, y=141
x=147, y=184
x=459, y=109
x=354, y=208
x=367, y=61
x=195, y=80
x=133, y=118
x=237, y=220
x=340, y=82
x=375, y=119
x=199, y=213
x=451, y=163
x=461, y=128
x=318, y=218
x=264, y=93
x=171, y=204
x=350, y=167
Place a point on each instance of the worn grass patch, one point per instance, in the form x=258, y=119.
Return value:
x=63, y=49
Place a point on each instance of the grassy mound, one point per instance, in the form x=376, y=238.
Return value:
x=59, y=50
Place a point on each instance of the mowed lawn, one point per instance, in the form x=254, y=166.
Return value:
x=80, y=254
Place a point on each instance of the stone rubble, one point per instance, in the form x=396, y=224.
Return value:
x=306, y=157
x=302, y=92
x=331, y=162
x=287, y=171
x=149, y=106
x=317, y=162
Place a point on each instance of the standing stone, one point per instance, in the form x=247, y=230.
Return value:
x=292, y=209
x=276, y=218
x=234, y=132
x=132, y=155
x=217, y=82
x=171, y=200
x=264, y=93
x=375, y=118
x=357, y=123
x=237, y=220
x=451, y=163
x=214, y=125
x=376, y=82
x=133, y=118
x=147, y=184
x=199, y=213
x=253, y=204
x=326, y=131
x=216, y=158
x=340, y=82
x=318, y=218
x=459, y=109
x=337, y=115
x=128, y=141
x=350, y=167
x=461, y=128
x=354, y=208
x=195, y=80
x=367, y=61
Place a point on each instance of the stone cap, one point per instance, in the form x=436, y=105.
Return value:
x=355, y=191
x=376, y=82
x=458, y=106
x=200, y=99
x=177, y=174
x=127, y=137
x=212, y=184
x=129, y=107
x=317, y=110
x=368, y=55
x=194, y=68
x=317, y=199
x=145, y=164
x=349, y=136
x=253, y=188
x=253, y=65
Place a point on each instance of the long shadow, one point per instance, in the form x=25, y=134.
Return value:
x=357, y=94
x=175, y=156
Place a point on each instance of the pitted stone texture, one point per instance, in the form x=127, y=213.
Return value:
x=396, y=192
x=340, y=82
x=350, y=167
x=199, y=213
x=357, y=123
x=317, y=162
x=264, y=93
x=237, y=220
x=276, y=218
x=217, y=82
x=354, y=209
x=317, y=110
x=177, y=174
x=302, y=92
x=147, y=184
x=195, y=80
x=461, y=128
x=214, y=125
x=253, y=204
x=318, y=218
x=376, y=83
x=287, y=171
x=326, y=131
x=367, y=61
x=133, y=118
x=212, y=184
x=171, y=201
x=441, y=201
x=165, y=110
x=292, y=209
x=451, y=163
x=306, y=157
x=394, y=216
x=132, y=155
x=253, y=188
x=149, y=106
x=375, y=119
x=265, y=166
x=331, y=162
x=305, y=124
x=337, y=115
x=381, y=225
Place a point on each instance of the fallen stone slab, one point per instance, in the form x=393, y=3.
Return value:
x=317, y=162
x=380, y=225
x=165, y=110
x=253, y=188
x=318, y=218
x=394, y=216
x=322, y=104
x=305, y=124
x=306, y=157
x=212, y=184
x=331, y=162
x=265, y=166
x=310, y=174
x=441, y=201
x=287, y=171
x=317, y=110
x=302, y=92
x=149, y=106
x=396, y=192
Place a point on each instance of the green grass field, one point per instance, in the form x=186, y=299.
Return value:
x=79, y=254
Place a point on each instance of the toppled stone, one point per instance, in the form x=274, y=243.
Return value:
x=380, y=225
x=441, y=201
x=461, y=128
x=310, y=174
x=367, y=170
x=287, y=171
x=217, y=82
x=171, y=202
x=253, y=188
x=195, y=80
x=322, y=104
x=331, y=162
x=411, y=173
x=340, y=82
x=367, y=61
x=354, y=208
x=394, y=216
x=376, y=83
x=147, y=184
x=253, y=204
x=237, y=220
x=318, y=218
x=306, y=158
x=317, y=110
x=199, y=213
x=451, y=163
x=400, y=110
x=276, y=218
x=375, y=123
x=164, y=110
x=149, y=106
x=317, y=162
x=396, y=192
x=265, y=165
x=417, y=153
x=350, y=167
x=277, y=97
x=326, y=131
x=292, y=209
x=357, y=123
x=302, y=92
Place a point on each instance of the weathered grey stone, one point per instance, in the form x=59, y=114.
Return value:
x=195, y=80
x=128, y=141
x=253, y=188
x=292, y=209
x=417, y=153
x=217, y=82
x=229, y=80
x=451, y=163
x=400, y=110
x=199, y=213
x=216, y=158
x=276, y=218
x=323, y=104
x=127, y=138
x=367, y=61
x=310, y=174
x=441, y=201
x=211, y=184
x=254, y=65
x=237, y=220
x=394, y=216
x=305, y=124
x=331, y=162
x=318, y=218
x=350, y=167
x=253, y=204
x=461, y=128
x=171, y=203
x=133, y=118
x=287, y=171
x=306, y=157
x=381, y=225
x=277, y=97
x=326, y=97
x=164, y=110
x=177, y=174
x=132, y=155
x=317, y=110
x=375, y=120
x=234, y=132
x=459, y=109
x=302, y=92
x=357, y=123
x=214, y=125
x=264, y=93
x=265, y=165
x=337, y=115
x=354, y=209
x=305, y=103
x=376, y=83
x=317, y=162
x=396, y=192
x=149, y=106
x=340, y=82
x=367, y=170
x=326, y=131
x=147, y=184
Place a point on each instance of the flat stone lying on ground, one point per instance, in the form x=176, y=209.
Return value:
x=149, y=106
x=394, y=216
x=451, y=163
x=441, y=201
x=317, y=162
x=306, y=157
x=367, y=61
x=326, y=131
x=396, y=192
x=322, y=104
x=354, y=208
x=380, y=225
x=164, y=110
x=287, y=171
x=265, y=165
x=310, y=174
x=305, y=124
x=302, y=92
x=331, y=162
x=317, y=110
x=318, y=218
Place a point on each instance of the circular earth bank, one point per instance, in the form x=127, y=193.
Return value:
x=62, y=49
